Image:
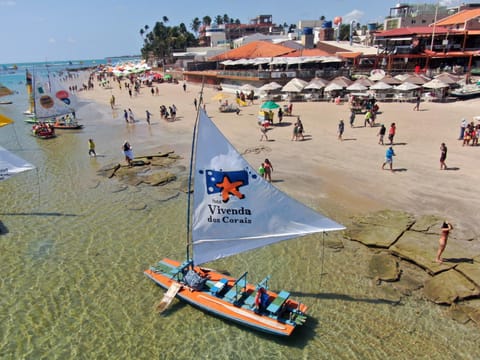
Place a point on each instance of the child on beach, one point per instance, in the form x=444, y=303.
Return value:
x=128, y=152
x=91, y=148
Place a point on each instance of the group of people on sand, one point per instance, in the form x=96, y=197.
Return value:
x=168, y=114
x=265, y=170
x=471, y=134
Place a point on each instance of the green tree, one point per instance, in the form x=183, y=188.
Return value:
x=163, y=40
x=207, y=20
x=226, y=19
x=219, y=19
x=195, y=25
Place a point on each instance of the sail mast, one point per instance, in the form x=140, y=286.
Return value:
x=192, y=155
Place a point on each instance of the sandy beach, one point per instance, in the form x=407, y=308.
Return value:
x=339, y=178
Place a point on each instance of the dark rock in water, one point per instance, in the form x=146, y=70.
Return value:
x=449, y=287
x=383, y=267
x=159, y=178
x=380, y=229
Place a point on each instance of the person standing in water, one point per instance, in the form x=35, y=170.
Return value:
x=91, y=148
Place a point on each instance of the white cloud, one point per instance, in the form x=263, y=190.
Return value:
x=8, y=3
x=353, y=15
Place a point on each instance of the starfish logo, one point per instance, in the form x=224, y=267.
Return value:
x=226, y=183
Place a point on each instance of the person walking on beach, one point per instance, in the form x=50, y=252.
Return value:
x=125, y=115
x=128, y=152
x=463, y=126
x=280, y=115
x=131, y=118
x=368, y=118
x=268, y=170
x=261, y=170
x=195, y=103
x=91, y=148
x=148, y=116
x=389, y=154
x=341, y=129
x=352, y=117
x=444, y=232
x=263, y=130
x=381, y=134
x=184, y=86
x=112, y=102
x=391, y=133
x=417, y=103
x=443, y=156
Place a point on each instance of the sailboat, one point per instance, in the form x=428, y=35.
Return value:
x=4, y=91
x=11, y=164
x=234, y=210
x=50, y=103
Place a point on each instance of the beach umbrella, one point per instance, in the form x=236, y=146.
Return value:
x=247, y=88
x=435, y=84
x=406, y=86
x=448, y=78
x=221, y=96
x=342, y=80
x=167, y=76
x=364, y=81
x=333, y=87
x=294, y=85
x=415, y=79
x=356, y=87
x=270, y=86
x=269, y=105
x=380, y=85
x=388, y=79
x=316, y=84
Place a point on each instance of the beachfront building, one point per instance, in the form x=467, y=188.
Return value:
x=213, y=35
x=451, y=44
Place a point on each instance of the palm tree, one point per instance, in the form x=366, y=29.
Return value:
x=165, y=19
x=195, y=25
x=226, y=19
x=219, y=19
x=207, y=20
x=142, y=32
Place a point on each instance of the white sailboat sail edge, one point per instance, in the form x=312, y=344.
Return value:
x=11, y=164
x=235, y=210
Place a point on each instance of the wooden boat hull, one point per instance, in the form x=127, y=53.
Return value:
x=241, y=311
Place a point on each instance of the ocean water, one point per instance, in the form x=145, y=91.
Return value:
x=76, y=244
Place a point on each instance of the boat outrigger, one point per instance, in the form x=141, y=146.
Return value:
x=235, y=210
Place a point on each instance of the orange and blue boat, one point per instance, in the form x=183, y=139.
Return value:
x=235, y=210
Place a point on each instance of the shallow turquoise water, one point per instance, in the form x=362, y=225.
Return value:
x=72, y=261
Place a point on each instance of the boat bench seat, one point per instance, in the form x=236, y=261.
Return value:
x=277, y=303
x=250, y=300
x=233, y=294
x=165, y=268
x=218, y=286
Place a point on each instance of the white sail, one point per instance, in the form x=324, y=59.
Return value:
x=11, y=164
x=47, y=102
x=244, y=212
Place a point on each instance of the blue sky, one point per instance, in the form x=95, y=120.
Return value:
x=49, y=30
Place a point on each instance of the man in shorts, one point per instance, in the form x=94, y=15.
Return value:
x=389, y=154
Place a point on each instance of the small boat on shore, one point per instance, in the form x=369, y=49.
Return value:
x=43, y=131
x=233, y=213
x=466, y=92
